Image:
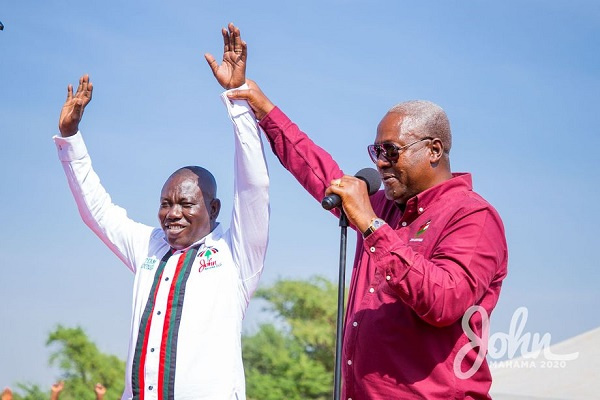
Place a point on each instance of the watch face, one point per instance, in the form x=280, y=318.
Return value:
x=377, y=223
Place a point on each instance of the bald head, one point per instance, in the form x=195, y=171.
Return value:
x=206, y=181
x=422, y=118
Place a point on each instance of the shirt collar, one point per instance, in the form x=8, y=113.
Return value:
x=418, y=204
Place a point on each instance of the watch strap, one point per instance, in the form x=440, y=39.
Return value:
x=375, y=224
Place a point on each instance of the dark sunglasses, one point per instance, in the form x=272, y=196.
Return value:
x=389, y=151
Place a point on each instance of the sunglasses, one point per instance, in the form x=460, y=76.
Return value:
x=389, y=151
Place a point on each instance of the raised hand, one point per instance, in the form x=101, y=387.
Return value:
x=232, y=71
x=6, y=394
x=100, y=391
x=72, y=110
x=56, y=389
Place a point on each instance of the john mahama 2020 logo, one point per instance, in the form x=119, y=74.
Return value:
x=208, y=259
x=422, y=229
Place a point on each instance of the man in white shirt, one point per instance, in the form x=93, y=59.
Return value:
x=193, y=278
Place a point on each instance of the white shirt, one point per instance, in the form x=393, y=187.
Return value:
x=196, y=354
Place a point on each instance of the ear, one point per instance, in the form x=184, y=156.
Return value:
x=215, y=208
x=436, y=150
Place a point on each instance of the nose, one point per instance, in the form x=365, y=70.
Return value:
x=382, y=162
x=174, y=212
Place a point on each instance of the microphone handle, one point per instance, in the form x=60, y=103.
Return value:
x=331, y=201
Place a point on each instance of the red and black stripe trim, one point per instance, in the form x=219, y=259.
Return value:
x=139, y=357
x=168, y=348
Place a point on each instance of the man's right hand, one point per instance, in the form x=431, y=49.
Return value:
x=72, y=110
x=259, y=103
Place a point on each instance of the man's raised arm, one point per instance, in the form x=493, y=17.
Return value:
x=250, y=216
x=126, y=238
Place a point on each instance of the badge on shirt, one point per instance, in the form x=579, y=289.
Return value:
x=421, y=232
x=149, y=263
x=208, y=259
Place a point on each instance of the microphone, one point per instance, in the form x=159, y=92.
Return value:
x=369, y=175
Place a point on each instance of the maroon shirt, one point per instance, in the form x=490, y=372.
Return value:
x=412, y=282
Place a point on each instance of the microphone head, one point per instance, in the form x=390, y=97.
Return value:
x=371, y=178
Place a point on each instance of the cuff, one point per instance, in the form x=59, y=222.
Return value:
x=275, y=123
x=380, y=243
x=235, y=108
x=70, y=148
x=275, y=117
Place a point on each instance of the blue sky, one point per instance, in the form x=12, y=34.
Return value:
x=520, y=81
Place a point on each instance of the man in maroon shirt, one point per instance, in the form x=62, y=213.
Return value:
x=429, y=249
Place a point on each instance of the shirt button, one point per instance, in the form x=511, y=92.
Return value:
x=371, y=290
x=158, y=313
x=387, y=278
x=152, y=350
x=167, y=278
x=355, y=323
x=372, y=249
x=404, y=223
x=150, y=387
x=421, y=209
x=349, y=362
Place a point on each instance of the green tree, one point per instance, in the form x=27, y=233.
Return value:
x=32, y=392
x=294, y=357
x=82, y=365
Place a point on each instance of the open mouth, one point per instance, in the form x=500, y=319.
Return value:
x=174, y=229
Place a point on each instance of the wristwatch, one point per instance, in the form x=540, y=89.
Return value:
x=375, y=224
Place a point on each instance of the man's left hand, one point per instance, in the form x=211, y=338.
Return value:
x=232, y=71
